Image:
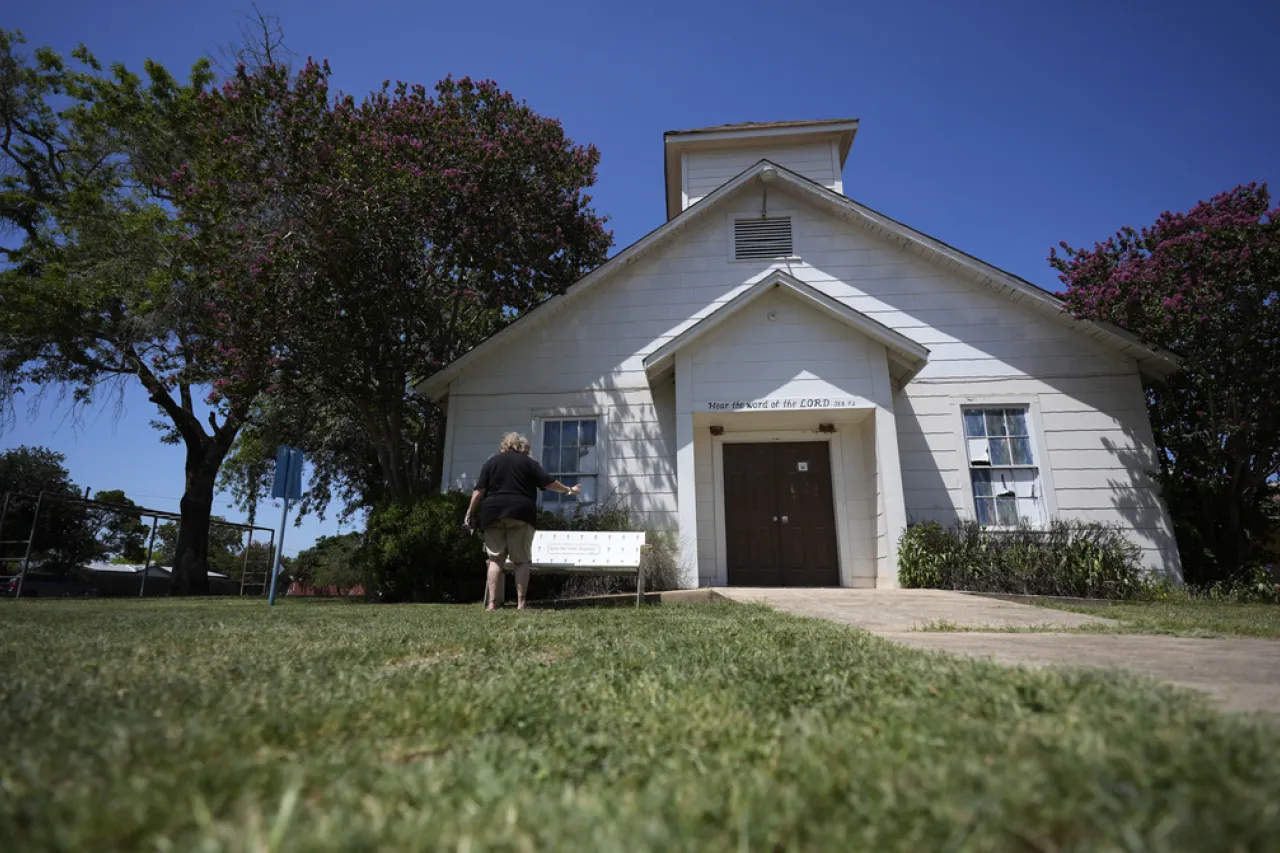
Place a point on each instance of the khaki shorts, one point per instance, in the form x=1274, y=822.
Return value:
x=508, y=538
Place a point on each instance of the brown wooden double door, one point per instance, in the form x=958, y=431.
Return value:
x=779, y=515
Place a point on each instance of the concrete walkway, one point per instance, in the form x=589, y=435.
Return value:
x=1243, y=674
x=882, y=611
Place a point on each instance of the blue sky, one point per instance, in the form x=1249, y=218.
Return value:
x=999, y=127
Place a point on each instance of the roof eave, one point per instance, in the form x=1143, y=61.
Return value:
x=1158, y=363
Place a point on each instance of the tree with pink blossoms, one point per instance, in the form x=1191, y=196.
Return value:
x=387, y=235
x=1204, y=284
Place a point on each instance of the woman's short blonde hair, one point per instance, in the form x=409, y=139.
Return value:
x=514, y=441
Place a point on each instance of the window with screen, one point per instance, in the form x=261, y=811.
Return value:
x=570, y=453
x=1003, y=472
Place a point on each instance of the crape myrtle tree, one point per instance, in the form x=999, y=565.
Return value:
x=393, y=233
x=100, y=286
x=1206, y=285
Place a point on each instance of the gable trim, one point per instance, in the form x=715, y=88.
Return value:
x=906, y=352
x=1152, y=361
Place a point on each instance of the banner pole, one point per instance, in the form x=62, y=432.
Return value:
x=275, y=571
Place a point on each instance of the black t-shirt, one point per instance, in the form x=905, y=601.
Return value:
x=511, y=481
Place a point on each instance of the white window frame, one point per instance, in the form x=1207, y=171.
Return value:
x=600, y=415
x=1039, y=454
x=735, y=215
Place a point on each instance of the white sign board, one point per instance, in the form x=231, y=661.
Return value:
x=786, y=404
x=586, y=550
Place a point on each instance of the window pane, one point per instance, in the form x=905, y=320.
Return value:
x=1007, y=511
x=1029, y=512
x=587, y=433
x=588, y=489
x=569, y=434
x=986, y=511
x=1000, y=451
x=1022, y=451
x=982, y=484
x=568, y=481
x=973, y=422
x=995, y=422
x=551, y=459
x=1026, y=482
x=568, y=460
x=550, y=433
x=587, y=461
x=1017, y=420
x=550, y=498
x=979, y=451
x=1002, y=485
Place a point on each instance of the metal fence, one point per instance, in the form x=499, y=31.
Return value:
x=255, y=580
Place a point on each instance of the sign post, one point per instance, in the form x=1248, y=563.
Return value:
x=287, y=486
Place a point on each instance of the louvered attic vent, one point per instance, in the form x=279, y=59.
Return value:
x=767, y=237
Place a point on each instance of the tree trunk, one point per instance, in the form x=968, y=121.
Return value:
x=191, y=560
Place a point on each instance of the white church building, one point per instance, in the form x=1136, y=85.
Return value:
x=788, y=378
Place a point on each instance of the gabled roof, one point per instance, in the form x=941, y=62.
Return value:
x=909, y=355
x=1151, y=360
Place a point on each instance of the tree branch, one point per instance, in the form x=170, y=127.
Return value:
x=187, y=425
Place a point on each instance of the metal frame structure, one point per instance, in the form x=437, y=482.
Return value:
x=156, y=515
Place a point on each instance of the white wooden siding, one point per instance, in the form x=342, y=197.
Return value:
x=1097, y=444
x=709, y=170
x=982, y=345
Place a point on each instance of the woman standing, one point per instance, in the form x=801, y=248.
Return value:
x=507, y=494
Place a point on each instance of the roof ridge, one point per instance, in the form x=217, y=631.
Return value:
x=762, y=125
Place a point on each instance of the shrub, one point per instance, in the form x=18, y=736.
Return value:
x=1069, y=558
x=333, y=561
x=1254, y=584
x=418, y=553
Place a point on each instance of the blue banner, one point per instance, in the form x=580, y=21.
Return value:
x=288, y=481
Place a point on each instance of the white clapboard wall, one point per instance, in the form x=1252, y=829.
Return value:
x=587, y=550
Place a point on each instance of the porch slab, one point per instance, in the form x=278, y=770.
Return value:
x=888, y=611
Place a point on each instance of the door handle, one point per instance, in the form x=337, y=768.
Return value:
x=784, y=519
x=775, y=519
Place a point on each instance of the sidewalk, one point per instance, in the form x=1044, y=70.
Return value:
x=1243, y=674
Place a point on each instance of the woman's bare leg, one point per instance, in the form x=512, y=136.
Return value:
x=522, y=583
x=495, y=582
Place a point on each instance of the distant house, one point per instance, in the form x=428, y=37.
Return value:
x=787, y=378
x=126, y=579
x=298, y=588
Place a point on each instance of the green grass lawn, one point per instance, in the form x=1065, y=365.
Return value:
x=1189, y=617
x=175, y=725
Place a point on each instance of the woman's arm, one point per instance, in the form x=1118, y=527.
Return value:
x=477, y=495
x=557, y=486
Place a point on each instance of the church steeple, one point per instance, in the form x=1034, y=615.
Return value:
x=700, y=160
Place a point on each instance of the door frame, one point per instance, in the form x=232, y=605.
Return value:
x=780, y=437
